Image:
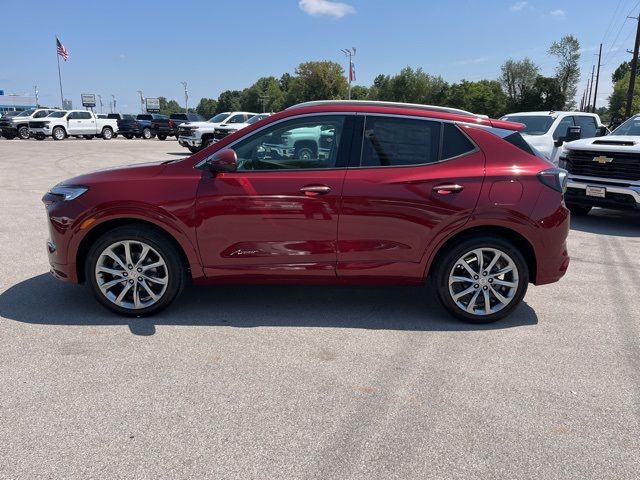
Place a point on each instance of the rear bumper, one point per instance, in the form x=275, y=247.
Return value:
x=617, y=196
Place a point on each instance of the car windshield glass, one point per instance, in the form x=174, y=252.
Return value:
x=535, y=124
x=26, y=113
x=629, y=127
x=256, y=118
x=57, y=114
x=218, y=118
x=143, y=116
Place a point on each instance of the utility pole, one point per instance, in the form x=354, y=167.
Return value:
x=350, y=53
x=595, y=91
x=186, y=97
x=100, y=99
x=115, y=110
x=586, y=96
x=141, y=101
x=35, y=91
x=634, y=66
x=264, y=98
x=582, y=103
x=593, y=71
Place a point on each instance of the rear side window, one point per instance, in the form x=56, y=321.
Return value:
x=391, y=142
x=454, y=142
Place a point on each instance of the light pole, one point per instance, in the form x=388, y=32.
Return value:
x=35, y=91
x=115, y=110
x=350, y=53
x=141, y=101
x=100, y=99
x=186, y=97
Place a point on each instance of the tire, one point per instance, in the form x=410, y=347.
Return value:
x=450, y=272
x=58, y=133
x=119, y=294
x=88, y=137
x=578, y=210
x=146, y=133
x=128, y=136
x=206, y=142
x=194, y=149
x=162, y=137
x=305, y=152
x=107, y=133
x=23, y=132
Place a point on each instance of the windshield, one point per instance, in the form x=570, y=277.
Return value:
x=629, y=127
x=144, y=116
x=535, y=124
x=57, y=114
x=26, y=113
x=218, y=118
x=256, y=118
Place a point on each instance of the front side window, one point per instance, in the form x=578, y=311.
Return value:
x=57, y=114
x=240, y=118
x=25, y=113
x=588, y=127
x=40, y=114
x=301, y=143
x=563, y=127
x=390, y=142
x=219, y=118
x=84, y=115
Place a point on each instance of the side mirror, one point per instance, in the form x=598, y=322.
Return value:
x=223, y=161
x=601, y=131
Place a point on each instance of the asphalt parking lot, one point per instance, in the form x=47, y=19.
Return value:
x=309, y=382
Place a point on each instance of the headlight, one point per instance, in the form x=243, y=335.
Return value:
x=68, y=192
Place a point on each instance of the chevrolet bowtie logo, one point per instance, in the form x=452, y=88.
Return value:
x=602, y=159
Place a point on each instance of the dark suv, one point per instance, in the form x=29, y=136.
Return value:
x=395, y=194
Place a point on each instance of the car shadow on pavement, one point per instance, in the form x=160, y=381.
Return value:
x=45, y=301
x=608, y=222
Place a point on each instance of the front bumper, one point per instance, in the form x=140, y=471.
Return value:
x=190, y=141
x=9, y=130
x=45, y=131
x=623, y=195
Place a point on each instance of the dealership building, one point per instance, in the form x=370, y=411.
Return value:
x=10, y=103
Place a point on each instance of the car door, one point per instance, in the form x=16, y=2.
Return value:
x=277, y=215
x=560, y=131
x=412, y=180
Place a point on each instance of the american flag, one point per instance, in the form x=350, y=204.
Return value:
x=352, y=72
x=61, y=50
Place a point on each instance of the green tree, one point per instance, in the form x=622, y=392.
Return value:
x=482, y=97
x=567, y=50
x=618, y=99
x=317, y=81
x=546, y=94
x=517, y=78
x=229, y=101
x=207, y=107
x=412, y=86
x=168, y=107
x=358, y=92
x=267, y=88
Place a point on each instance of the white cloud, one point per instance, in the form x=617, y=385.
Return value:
x=325, y=7
x=516, y=7
x=557, y=13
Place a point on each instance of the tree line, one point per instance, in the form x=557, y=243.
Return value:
x=519, y=87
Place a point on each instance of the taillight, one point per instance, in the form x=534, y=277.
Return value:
x=170, y=123
x=555, y=178
x=136, y=124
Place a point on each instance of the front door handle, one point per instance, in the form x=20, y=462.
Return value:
x=447, y=188
x=315, y=190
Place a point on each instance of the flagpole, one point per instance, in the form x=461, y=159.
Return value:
x=59, y=76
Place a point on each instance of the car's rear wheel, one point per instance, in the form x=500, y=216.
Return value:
x=107, y=133
x=58, y=133
x=578, y=210
x=23, y=132
x=146, y=134
x=482, y=279
x=162, y=137
x=135, y=271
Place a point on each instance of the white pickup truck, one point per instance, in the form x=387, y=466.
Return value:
x=604, y=172
x=18, y=125
x=73, y=123
x=197, y=135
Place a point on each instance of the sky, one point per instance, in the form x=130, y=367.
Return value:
x=214, y=46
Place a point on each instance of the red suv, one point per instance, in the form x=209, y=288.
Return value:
x=324, y=192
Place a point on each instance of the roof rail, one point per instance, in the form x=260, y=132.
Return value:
x=371, y=103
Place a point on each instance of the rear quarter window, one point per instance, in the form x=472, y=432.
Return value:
x=454, y=142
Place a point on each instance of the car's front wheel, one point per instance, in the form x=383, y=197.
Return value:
x=135, y=271
x=482, y=279
x=23, y=132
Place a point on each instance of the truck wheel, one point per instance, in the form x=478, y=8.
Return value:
x=206, y=142
x=23, y=132
x=305, y=152
x=107, y=133
x=135, y=270
x=194, y=149
x=578, y=210
x=146, y=133
x=128, y=136
x=58, y=133
x=162, y=137
x=481, y=279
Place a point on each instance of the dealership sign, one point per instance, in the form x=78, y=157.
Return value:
x=88, y=100
x=153, y=105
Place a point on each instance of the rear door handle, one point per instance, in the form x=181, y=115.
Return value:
x=447, y=188
x=315, y=190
